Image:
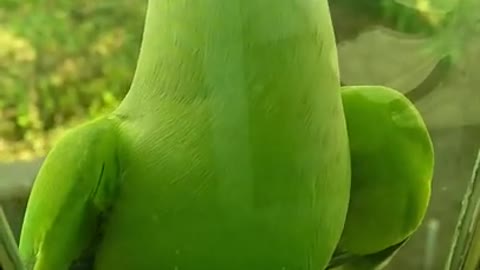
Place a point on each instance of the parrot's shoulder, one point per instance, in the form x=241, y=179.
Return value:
x=72, y=193
x=83, y=163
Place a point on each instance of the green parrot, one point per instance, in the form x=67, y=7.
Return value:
x=231, y=151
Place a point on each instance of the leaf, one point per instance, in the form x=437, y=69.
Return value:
x=434, y=10
x=9, y=256
x=385, y=57
x=465, y=249
x=456, y=101
x=446, y=99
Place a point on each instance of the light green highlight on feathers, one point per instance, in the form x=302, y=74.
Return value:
x=73, y=188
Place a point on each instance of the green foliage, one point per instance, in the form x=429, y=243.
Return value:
x=61, y=62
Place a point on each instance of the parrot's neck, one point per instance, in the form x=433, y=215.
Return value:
x=196, y=50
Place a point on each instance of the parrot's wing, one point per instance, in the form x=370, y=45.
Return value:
x=348, y=261
x=71, y=195
x=392, y=168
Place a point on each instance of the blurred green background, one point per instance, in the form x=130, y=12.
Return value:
x=62, y=62
x=65, y=61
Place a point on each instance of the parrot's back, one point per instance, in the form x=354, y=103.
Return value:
x=245, y=165
x=232, y=144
